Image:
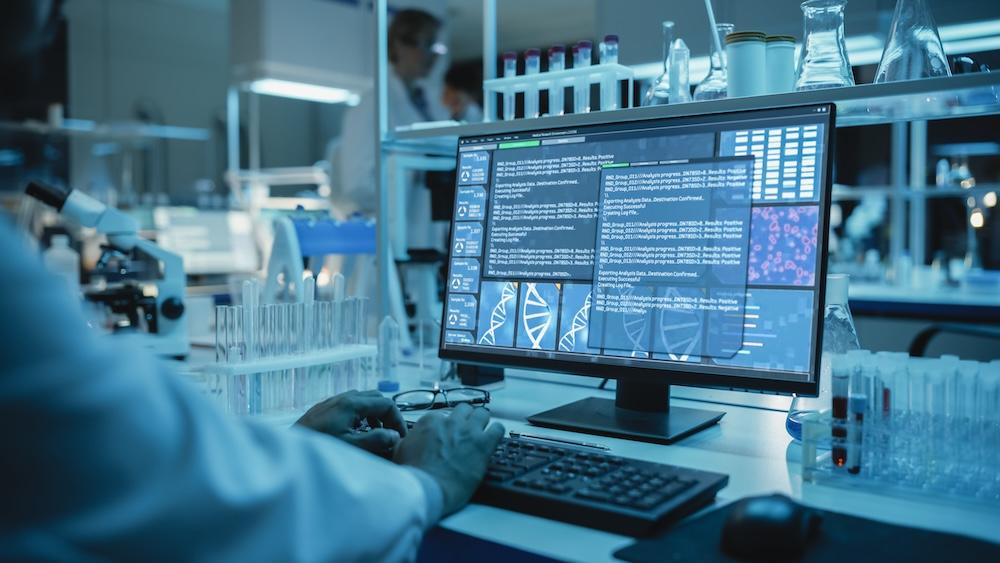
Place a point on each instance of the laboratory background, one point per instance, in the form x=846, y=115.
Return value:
x=502, y=203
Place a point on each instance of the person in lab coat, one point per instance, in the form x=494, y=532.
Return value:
x=110, y=455
x=413, y=50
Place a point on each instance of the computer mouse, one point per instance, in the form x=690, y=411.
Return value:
x=769, y=527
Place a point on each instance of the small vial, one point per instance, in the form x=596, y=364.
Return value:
x=388, y=355
x=509, y=71
x=609, y=50
x=532, y=65
x=581, y=90
x=557, y=63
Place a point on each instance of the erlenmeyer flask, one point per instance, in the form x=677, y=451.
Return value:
x=823, y=62
x=914, y=48
x=659, y=93
x=714, y=85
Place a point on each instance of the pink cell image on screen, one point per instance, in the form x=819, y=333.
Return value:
x=783, y=245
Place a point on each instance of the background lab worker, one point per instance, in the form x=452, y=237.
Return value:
x=413, y=50
x=108, y=455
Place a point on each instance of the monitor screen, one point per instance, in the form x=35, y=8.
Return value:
x=689, y=249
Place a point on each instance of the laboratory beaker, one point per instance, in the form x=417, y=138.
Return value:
x=714, y=85
x=823, y=62
x=659, y=93
x=914, y=48
x=680, y=60
x=839, y=337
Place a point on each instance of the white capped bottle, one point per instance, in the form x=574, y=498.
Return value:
x=63, y=261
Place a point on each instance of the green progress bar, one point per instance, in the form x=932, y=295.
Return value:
x=615, y=165
x=519, y=144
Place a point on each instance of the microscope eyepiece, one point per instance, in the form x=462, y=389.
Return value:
x=47, y=194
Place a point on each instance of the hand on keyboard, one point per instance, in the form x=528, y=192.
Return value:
x=454, y=450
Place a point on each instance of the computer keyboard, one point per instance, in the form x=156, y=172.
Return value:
x=598, y=490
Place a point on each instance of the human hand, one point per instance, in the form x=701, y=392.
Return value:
x=342, y=416
x=454, y=450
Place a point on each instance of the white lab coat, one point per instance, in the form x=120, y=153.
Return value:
x=355, y=162
x=109, y=455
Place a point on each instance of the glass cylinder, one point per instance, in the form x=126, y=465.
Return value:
x=714, y=86
x=914, y=48
x=582, y=53
x=659, y=93
x=823, y=62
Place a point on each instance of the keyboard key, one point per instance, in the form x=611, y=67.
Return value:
x=596, y=495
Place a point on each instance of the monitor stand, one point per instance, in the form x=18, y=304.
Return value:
x=640, y=411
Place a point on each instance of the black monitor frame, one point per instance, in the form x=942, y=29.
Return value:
x=698, y=375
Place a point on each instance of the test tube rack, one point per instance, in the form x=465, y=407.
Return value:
x=931, y=431
x=283, y=357
x=607, y=76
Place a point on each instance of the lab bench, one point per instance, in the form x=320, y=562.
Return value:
x=750, y=444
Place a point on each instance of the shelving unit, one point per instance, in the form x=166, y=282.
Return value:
x=906, y=106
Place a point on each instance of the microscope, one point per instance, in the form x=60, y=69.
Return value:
x=145, y=283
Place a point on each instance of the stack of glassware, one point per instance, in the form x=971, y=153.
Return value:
x=285, y=356
x=909, y=425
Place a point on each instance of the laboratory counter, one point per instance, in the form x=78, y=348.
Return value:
x=750, y=444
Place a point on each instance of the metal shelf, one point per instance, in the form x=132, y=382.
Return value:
x=868, y=104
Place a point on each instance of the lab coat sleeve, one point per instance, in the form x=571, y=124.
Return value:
x=108, y=454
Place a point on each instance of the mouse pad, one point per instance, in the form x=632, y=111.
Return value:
x=841, y=538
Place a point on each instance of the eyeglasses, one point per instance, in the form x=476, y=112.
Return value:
x=427, y=399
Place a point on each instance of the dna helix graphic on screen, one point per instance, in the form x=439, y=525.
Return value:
x=498, y=314
x=579, y=324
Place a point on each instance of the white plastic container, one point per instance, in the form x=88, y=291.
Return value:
x=63, y=261
x=780, y=63
x=746, y=61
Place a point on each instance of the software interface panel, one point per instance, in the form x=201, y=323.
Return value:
x=684, y=244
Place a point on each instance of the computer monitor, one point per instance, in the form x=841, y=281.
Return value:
x=687, y=250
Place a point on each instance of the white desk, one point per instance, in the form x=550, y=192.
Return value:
x=750, y=444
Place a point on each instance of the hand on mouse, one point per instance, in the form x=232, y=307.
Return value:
x=454, y=450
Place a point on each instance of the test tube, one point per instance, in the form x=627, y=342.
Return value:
x=609, y=50
x=532, y=65
x=857, y=406
x=388, y=355
x=840, y=389
x=610, y=94
x=221, y=334
x=581, y=90
x=557, y=63
x=509, y=70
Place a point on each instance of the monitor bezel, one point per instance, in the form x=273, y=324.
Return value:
x=670, y=376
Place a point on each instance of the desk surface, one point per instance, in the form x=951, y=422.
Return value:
x=750, y=444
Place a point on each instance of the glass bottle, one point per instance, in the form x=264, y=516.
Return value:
x=914, y=48
x=839, y=337
x=823, y=62
x=715, y=84
x=680, y=83
x=659, y=93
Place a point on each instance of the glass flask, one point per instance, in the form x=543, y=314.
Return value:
x=714, y=85
x=823, y=62
x=659, y=93
x=839, y=337
x=914, y=48
x=680, y=84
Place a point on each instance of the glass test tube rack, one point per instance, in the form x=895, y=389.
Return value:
x=608, y=76
x=285, y=357
x=913, y=427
